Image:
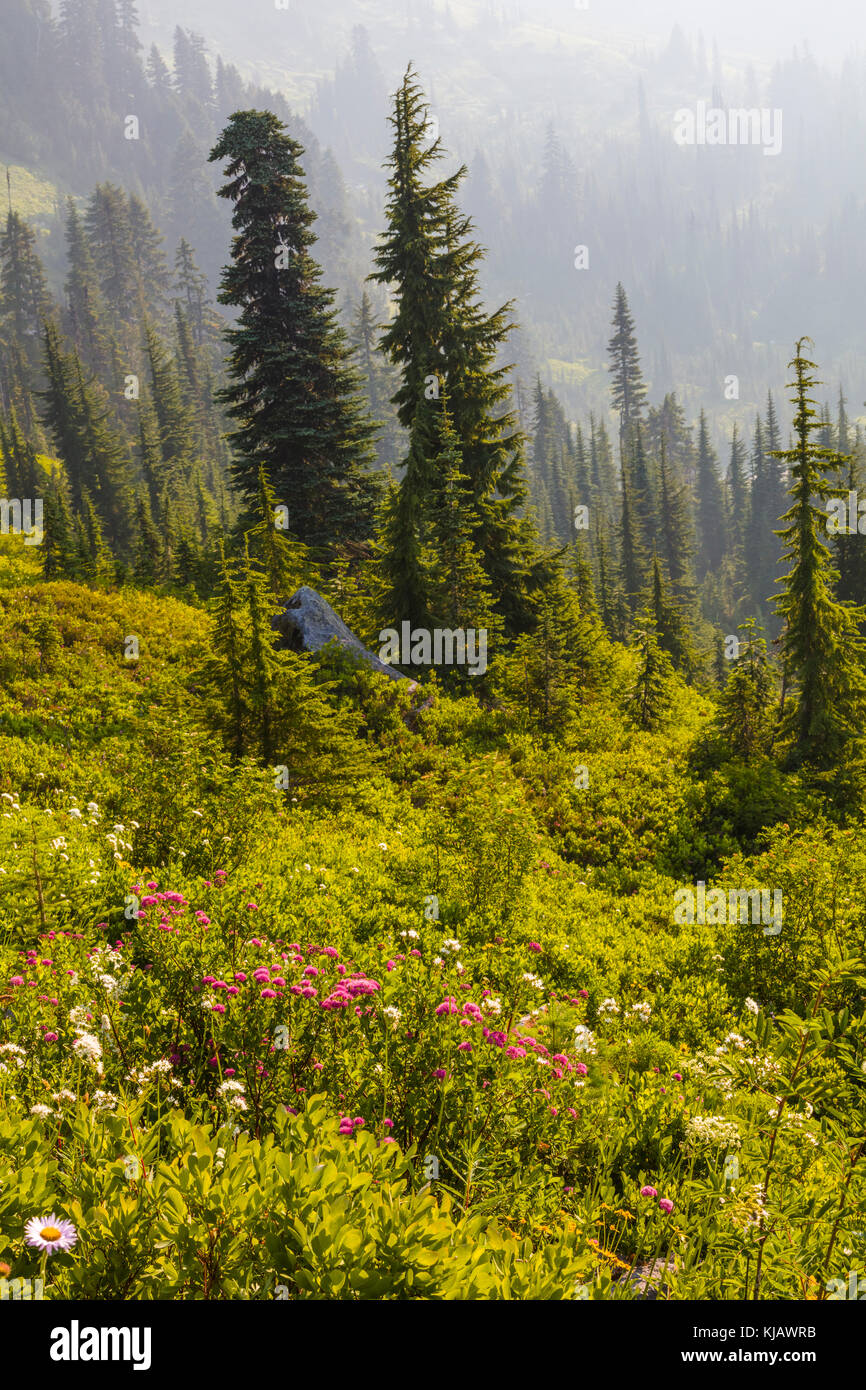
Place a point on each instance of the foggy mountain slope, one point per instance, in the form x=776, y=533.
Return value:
x=709, y=241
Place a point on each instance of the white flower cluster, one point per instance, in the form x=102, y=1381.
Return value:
x=492, y=1006
x=117, y=842
x=15, y=1054
x=89, y=1049
x=154, y=1072
x=608, y=1006
x=712, y=1132
x=643, y=1011
x=232, y=1093
x=584, y=1040
x=102, y=1102
x=393, y=1014
x=533, y=980
x=450, y=945
x=412, y=935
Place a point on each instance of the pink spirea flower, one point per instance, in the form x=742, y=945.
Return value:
x=666, y=1205
x=677, y=1076
x=581, y=1068
x=464, y=1047
x=16, y=980
x=448, y=1006
x=50, y=1037
x=440, y=1073
x=534, y=946
x=648, y=1192
x=269, y=994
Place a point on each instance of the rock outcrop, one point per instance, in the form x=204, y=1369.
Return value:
x=308, y=623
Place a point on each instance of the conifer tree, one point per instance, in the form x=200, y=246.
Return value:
x=460, y=595
x=294, y=393
x=84, y=307
x=554, y=664
x=627, y=385
x=379, y=380
x=147, y=566
x=173, y=418
x=821, y=647
x=57, y=551
x=284, y=561
x=440, y=337
x=745, y=713
x=24, y=298
x=110, y=237
x=651, y=698
x=633, y=558
x=710, y=503
x=669, y=623
x=676, y=532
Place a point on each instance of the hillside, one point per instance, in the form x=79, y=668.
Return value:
x=505, y=934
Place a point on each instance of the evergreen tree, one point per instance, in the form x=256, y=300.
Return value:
x=110, y=237
x=285, y=562
x=676, y=532
x=710, y=502
x=24, y=299
x=57, y=551
x=669, y=623
x=554, y=665
x=379, y=381
x=633, y=558
x=440, y=335
x=651, y=698
x=628, y=388
x=84, y=307
x=147, y=567
x=821, y=646
x=460, y=595
x=745, y=714
x=173, y=418
x=294, y=393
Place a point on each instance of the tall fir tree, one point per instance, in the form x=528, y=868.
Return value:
x=294, y=393
x=440, y=336
x=627, y=384
x=821, y=646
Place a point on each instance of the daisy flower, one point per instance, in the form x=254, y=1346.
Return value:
x=50, y=1233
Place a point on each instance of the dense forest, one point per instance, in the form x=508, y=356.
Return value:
x=553, y=957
